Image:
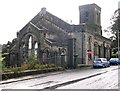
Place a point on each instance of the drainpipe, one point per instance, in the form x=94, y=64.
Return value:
x=82, y=45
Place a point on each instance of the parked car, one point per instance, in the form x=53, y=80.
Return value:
x=101, y=62
x=114, y=61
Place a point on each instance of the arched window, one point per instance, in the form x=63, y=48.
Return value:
x=36, y=50
x=95, y=49
x=104, y=50
x=89, y=42
x=30, y=43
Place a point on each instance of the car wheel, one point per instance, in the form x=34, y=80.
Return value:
x=93, y=66
x=103, y=66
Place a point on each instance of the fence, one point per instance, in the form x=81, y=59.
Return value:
x=55, y=58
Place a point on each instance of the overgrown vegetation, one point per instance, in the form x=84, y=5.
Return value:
x=26, y=67
x=0, y=63
x=5, y=55
x=29, y=64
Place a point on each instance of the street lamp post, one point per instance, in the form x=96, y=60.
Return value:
x=118, y=29
x=118, y=46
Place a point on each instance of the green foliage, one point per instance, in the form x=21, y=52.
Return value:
x=28, y=65
x=31, y=61
x=5, y=55
x=6, y=70
x=114, y=45
x=2, y=63
x=15, y=70
x=38, y=66
x=114, y=54
x=115, y=28
x=116, y=22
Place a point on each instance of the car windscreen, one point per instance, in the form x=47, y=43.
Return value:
x=97, y=59
x=113, y=59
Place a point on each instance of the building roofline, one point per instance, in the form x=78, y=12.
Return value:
x=87, y=5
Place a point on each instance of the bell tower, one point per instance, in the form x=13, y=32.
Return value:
x=91, y=14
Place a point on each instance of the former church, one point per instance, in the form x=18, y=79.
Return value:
x=53, y=40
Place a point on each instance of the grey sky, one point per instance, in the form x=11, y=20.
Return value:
x=15, y=14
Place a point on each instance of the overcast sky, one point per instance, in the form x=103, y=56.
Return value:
x=15, y=14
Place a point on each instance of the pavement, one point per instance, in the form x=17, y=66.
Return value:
x=82, y=67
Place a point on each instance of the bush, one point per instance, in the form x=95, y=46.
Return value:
x=16, y=69
x=31, y=61
x=42, y=66
x=24, y=66
x=6, y=70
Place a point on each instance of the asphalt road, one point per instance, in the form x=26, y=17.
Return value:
x=107, y=80
x=85, y=78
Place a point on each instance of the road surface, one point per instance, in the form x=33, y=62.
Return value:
x=83, y=78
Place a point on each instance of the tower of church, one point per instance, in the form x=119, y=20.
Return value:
x=91, y=14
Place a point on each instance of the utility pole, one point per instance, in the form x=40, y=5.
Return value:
x=118, y=29
x=118, y=46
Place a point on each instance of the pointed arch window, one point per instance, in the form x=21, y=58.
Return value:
x=36, y=51
x=30, y=43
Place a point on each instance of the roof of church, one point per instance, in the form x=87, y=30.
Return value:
x=45, y=21
x=51, y=18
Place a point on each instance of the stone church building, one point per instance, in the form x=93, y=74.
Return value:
x=53, y=40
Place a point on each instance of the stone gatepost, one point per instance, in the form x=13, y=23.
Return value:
x=63, y=60
x=71, y=61
x=75, y=60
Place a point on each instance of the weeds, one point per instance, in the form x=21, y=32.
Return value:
x=28, y=65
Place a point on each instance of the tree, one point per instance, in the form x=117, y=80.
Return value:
x=115, y=29
x=5, y=54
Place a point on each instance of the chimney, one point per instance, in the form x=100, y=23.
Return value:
x=43, y=10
